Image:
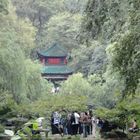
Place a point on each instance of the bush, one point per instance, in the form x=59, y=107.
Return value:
x=1, y=129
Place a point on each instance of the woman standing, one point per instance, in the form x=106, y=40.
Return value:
x=55, y=122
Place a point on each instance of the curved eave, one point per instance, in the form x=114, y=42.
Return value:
x=44, y=55
x=69, y=73
x=56, y=70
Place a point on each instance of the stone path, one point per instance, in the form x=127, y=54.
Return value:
x=90, y=137
x=58, y=137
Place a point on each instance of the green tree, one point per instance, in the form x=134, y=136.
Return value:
x=125, y=56
x=4, y=6
x=89, y=59
x=41, y=13
x=115, y=25
x=76, y=84
x=18, y=74
x=36, y=86
x=63, y=28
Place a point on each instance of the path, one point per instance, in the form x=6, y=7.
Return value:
x=90, y=137
x=58, y=137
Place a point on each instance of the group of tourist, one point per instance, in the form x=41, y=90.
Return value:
x=72, y=123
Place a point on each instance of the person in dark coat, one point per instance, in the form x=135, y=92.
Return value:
x=55, y=122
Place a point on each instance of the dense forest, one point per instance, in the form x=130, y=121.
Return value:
x=103, y=40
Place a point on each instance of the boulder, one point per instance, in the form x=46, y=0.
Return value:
x=136, y=138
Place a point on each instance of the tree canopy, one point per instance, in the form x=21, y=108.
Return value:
x=102, y=38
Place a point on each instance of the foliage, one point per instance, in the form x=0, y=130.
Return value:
x=105, y=20
x=101, y=94
x=116, y=28
x=12, y=70
x=77, y=6
x=108, y=56
x=1, y=129
x=71, y=97
x=123, y=113
x=36, y=86
x=89, y=59
x=4, y=6
x=125, y=59
x=40, y=12
x=46, y=105
x=115, y=25
x=77, y=85
x=63, y=28
x=20, y=76
x=7, y=105
x=20, y=79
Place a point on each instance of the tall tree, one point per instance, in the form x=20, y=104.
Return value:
x=63, y=28
x=16, y=40
x=116, y=23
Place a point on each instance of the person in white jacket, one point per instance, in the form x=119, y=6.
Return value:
x=75, y=122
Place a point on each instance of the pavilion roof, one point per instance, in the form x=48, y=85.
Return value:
x=56, y=69
x=54, y=51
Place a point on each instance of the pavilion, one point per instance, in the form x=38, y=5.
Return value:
x=54, y=62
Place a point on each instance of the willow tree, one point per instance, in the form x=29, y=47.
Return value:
x=16, y=41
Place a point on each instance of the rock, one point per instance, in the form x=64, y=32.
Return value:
x=16, y=138
x=136, y=138
x=9, y=132
x=4, y=137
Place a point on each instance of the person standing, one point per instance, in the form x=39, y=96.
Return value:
x=69, y=125
x=64, y=122
x=85, y=124
x=75, y=122
x=89, y=127
x=81, y=123
x=94, y=126
x=55, y=122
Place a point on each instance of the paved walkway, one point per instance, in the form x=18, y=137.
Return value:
x=58, y=137
x=90, y=137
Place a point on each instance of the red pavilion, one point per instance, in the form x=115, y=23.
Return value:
x=54, y=61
